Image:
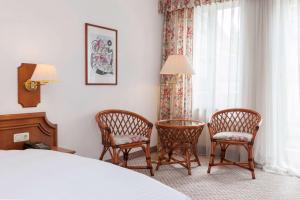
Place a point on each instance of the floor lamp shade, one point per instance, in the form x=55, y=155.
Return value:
x=177, y=64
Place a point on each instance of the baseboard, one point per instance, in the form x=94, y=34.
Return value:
x=138, y=153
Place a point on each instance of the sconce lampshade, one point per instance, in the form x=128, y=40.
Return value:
x=177, y=64
x=44, y=73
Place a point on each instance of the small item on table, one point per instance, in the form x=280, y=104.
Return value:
x=36, y=145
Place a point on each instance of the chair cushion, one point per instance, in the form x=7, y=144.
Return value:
x=237, y=136
x=126, y=139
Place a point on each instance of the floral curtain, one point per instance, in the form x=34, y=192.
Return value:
x=177, y=39
x=172, y=5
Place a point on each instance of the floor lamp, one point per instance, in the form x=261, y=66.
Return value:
x=175, y=65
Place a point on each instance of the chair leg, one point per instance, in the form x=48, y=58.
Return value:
x=103, y=153
x=115, y=156
x=223, y=152
x=125, y=157
x=148, y=158
x=196, y=154
x=251, y=160
x=212, y=156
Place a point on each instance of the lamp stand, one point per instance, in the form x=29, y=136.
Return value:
x=172, y=84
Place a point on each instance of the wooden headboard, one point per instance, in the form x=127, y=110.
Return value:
x=39, y=128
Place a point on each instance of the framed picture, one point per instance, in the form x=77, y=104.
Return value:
x=101, y=55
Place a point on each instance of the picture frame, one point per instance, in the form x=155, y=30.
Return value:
x=101, y=55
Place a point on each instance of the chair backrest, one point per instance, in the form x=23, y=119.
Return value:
x=235, y=120
x=122, y=122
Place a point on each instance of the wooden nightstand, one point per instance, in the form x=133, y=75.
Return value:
x=63, y=150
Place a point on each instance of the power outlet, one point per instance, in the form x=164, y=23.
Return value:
x=21, y=137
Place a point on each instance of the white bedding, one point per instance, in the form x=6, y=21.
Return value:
x=45, y=175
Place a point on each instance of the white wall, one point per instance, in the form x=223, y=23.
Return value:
x=52, y=31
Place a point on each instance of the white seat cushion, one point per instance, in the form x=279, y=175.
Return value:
x=237, y=136
x=126, y=139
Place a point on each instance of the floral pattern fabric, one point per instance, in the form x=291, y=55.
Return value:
x=177, y=39
x=126, y=139
x=237, y=136
x=172, y=5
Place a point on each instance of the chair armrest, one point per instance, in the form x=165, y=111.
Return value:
x=107, y=135
x=149, y=132
x=257, y=127
x=211, y=130
x=255, y=130
x=150, y=125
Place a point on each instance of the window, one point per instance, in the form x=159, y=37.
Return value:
x=246, y=54
x=216, y=56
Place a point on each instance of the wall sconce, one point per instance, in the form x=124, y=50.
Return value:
x=30, y=78
x=42, y=75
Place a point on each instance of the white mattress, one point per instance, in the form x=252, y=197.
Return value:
x=42, y=174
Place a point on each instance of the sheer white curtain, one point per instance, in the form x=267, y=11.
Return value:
x=218, y=80
x=216, y=48
x=277, y=147
x=246, y=54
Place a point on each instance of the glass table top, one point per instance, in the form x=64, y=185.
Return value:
x=178, y=122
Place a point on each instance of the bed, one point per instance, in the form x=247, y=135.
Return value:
x=43, y=174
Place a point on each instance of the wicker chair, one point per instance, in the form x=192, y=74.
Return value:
x=122, y=131
x=233, y=127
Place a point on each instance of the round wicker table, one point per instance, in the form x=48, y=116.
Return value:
x=178, y=135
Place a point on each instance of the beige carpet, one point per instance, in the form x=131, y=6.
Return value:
x=230, y=183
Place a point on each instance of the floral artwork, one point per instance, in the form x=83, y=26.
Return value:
x=101, y=55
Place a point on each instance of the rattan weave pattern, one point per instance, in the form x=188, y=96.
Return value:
x=243, y=121
x=120, y=122
x=234, y=120
x=174, y=137
x=177, y=135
